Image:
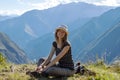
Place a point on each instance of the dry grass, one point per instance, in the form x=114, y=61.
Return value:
x=102, y=73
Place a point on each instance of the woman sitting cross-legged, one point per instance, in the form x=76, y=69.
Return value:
x=62, y=65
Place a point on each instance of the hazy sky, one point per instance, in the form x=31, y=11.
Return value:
x=8, y=7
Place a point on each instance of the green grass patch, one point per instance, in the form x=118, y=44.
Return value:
x=103, y=72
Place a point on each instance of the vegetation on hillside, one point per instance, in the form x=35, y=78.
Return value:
x=2, y=59
x=102, y=72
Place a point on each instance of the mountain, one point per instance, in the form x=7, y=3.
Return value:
x=82, y=36
x=11, y=51
x=36, y=23
x=79, y=37
x=116, y=62
x=7, y=17
x=106, y=46
x=40, y=47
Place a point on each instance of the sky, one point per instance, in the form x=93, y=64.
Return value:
x=18, y=7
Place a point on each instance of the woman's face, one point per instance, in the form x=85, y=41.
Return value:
x=60, y=34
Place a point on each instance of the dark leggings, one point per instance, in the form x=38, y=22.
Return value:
x=56, y=70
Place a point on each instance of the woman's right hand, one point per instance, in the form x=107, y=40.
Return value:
x=40, y=68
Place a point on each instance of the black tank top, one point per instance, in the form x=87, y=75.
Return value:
x=66, y=61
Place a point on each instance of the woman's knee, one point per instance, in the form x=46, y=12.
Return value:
x=40, y=61
x=56, y=71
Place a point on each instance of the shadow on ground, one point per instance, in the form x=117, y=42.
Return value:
x=51, y=78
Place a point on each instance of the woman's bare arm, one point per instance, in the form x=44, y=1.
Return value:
x=49, y=57
x=58, y=57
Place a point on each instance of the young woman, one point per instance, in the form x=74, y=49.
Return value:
x=62, y=64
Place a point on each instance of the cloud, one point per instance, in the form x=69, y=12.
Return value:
x=108, y=3
x=20, y=1
x=11, y=12
x=26, y=5
x=45, y=4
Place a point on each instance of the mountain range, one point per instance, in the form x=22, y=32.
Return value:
x=107, y=46
x=2, y=18
x=36, y=23
x=11, y=51
x=93, y=29
x=80, y=37
x=34, y=30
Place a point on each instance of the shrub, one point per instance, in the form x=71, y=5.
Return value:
x=2, y=59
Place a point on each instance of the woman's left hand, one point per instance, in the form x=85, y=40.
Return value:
x=40, y=68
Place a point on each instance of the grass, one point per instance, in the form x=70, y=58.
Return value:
x=103, y=72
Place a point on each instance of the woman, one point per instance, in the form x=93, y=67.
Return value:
x=62, y=64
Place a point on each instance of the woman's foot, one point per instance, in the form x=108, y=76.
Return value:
x=34, y=74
